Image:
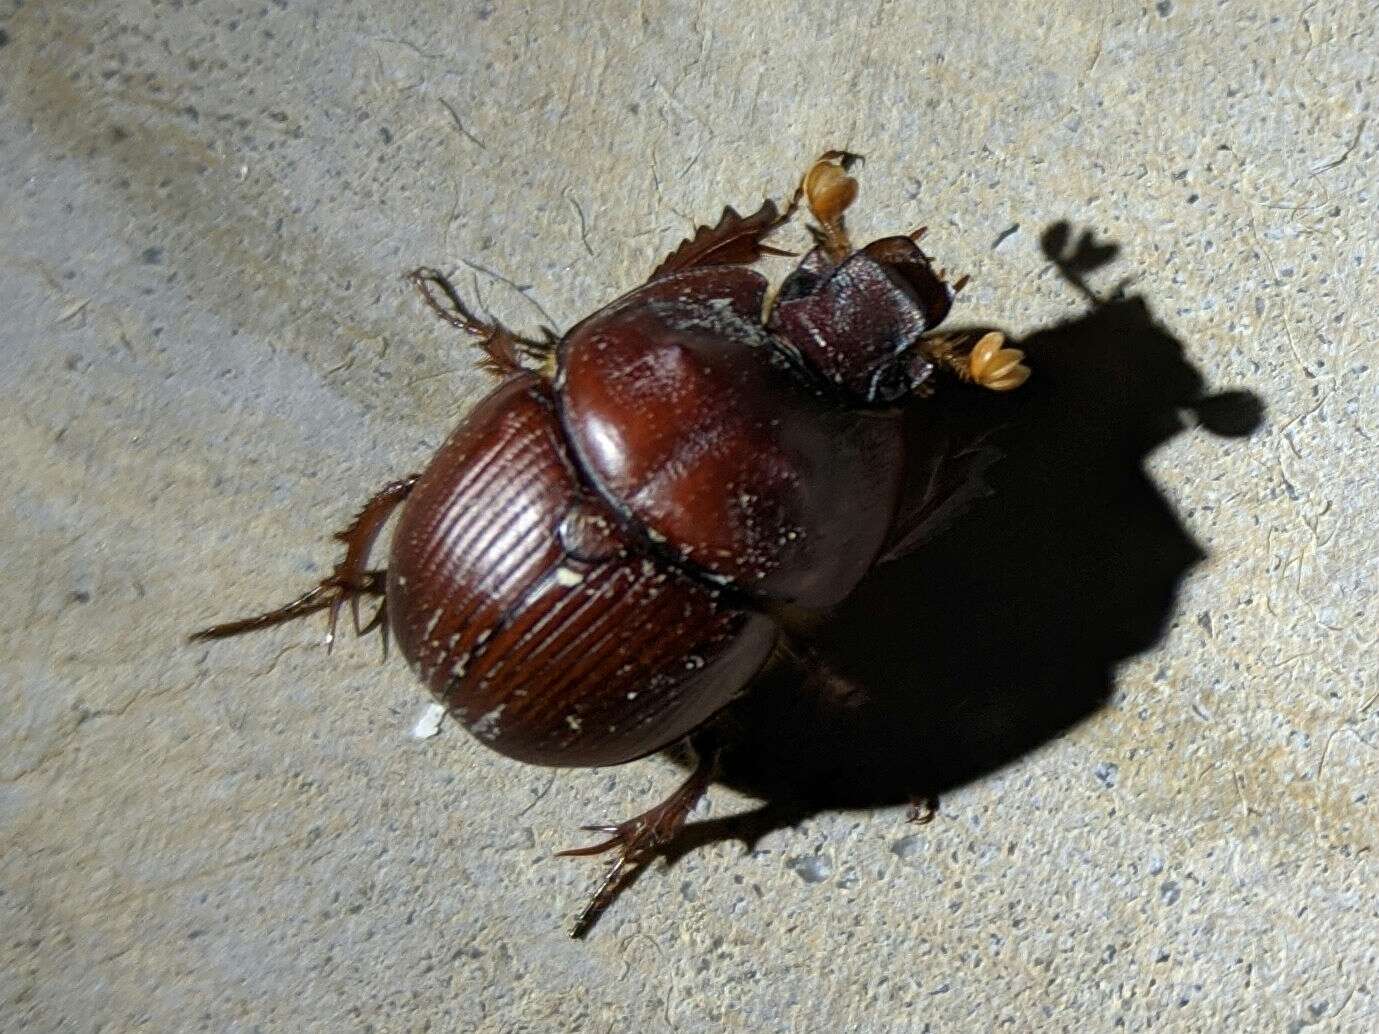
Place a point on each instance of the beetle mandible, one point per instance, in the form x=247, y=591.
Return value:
x=600, y=556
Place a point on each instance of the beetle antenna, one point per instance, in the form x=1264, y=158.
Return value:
x=829, y=190
x=985, y=362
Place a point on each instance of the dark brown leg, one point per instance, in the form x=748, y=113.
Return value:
x=738, y=240
x=351, y=579
x=923, y=809
x=503, y=350
x=640, y=837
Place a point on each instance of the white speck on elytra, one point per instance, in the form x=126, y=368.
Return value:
x=431, y=625
x=573, y=722
x=632, y=695
x=567, y=576
x=458, y=669
x=486, y=728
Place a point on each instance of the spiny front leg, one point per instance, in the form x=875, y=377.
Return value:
x=504, y=351
x=640, y=837
x=351, y=579
x=737, y=240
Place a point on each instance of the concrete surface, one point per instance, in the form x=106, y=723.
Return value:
x=209, y=360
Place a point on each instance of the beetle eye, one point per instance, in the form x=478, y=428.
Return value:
x=806, y=277
x=797, y=285
x=899, y=377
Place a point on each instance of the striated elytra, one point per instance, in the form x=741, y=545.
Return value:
x=602, y=554
x=518, y=597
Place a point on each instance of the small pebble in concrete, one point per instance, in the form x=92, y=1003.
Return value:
x=810, y=868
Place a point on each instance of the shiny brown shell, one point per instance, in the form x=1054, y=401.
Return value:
x=699, y=427
x=551, y=633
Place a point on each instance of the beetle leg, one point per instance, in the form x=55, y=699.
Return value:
x=351, y=579
x=735, y=240
x=923, y=809
x=640, y=837
x=503, y=350
x=985, y=362
x=738, y=240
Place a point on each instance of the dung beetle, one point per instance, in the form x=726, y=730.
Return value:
x=604, y=552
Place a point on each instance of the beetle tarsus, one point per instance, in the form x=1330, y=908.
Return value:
x=331, y=594
x=351, y=580
x=503, y=350
x=641, y=837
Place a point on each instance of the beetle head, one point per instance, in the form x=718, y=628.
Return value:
x=856, y=323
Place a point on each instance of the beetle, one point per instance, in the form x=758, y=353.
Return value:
x=612, y=543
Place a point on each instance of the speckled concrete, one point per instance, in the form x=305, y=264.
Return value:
x=209, y=360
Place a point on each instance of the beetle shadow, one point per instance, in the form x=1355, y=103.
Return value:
x=1004, y=627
